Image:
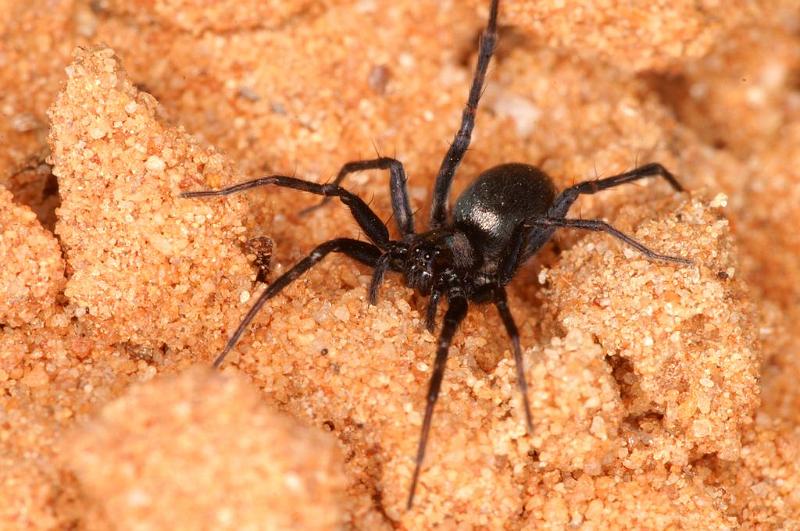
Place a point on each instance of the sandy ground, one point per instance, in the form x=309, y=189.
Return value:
x=663, y=396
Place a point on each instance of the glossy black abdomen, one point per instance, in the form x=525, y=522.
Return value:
x=499, y=200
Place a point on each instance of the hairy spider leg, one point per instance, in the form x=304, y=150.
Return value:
x=456, y=312
x=510, y=260
x=366, y=218
x=364, y=252
x=430, y=312
x=565, y=199
x=381, y=266
x=601, y=226
x=508, y=266
x=401, y=206
x=444, y=179
x=501, y=302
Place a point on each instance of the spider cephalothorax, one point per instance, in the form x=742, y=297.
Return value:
x=503, y=218
x=436, y=258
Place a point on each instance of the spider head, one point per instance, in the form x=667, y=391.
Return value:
x=436, y=257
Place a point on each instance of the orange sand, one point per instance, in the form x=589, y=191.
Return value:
x=663, y=396
x=179, y=438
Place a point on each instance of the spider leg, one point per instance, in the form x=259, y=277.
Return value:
x=430, y=311
x=501, y=303
x=563, y=202
x=455, y=314
x=397, y=185
x=601, y=226
x=444, y=179
x=567, y=197
x=510, y=259
x=363, y=252
x=366, y=218
x=381, y=266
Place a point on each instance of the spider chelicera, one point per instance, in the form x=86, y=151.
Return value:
x=503, y=218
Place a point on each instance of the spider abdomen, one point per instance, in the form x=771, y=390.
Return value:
x=498, y=201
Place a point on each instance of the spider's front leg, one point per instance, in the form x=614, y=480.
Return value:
x=366, y=218
x=370, y=254
x=364, y=252
x=460, y=144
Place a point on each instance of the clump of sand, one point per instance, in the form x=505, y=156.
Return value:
x=192, y=458
x=145, y=267
x=32, y=276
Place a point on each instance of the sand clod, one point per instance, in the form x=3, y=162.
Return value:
x=203, y=450
x=32, y=274
x=134, y=247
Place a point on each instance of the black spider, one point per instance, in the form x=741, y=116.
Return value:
x=500, y=221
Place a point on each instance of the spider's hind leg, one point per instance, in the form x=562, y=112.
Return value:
x=501, y=302
x=565, y=199
x=599, y=225
x=556, y=215
x=455, y=314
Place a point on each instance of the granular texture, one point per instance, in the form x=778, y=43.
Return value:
x=202, y=451
x=760, y=489
x=233, y=88
x=638, y=34
x=689, y=376
x=660, y=500
x=32, y=275
x=36, y=43
x=663, y=396
x=145, y=267
x=217, y=16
